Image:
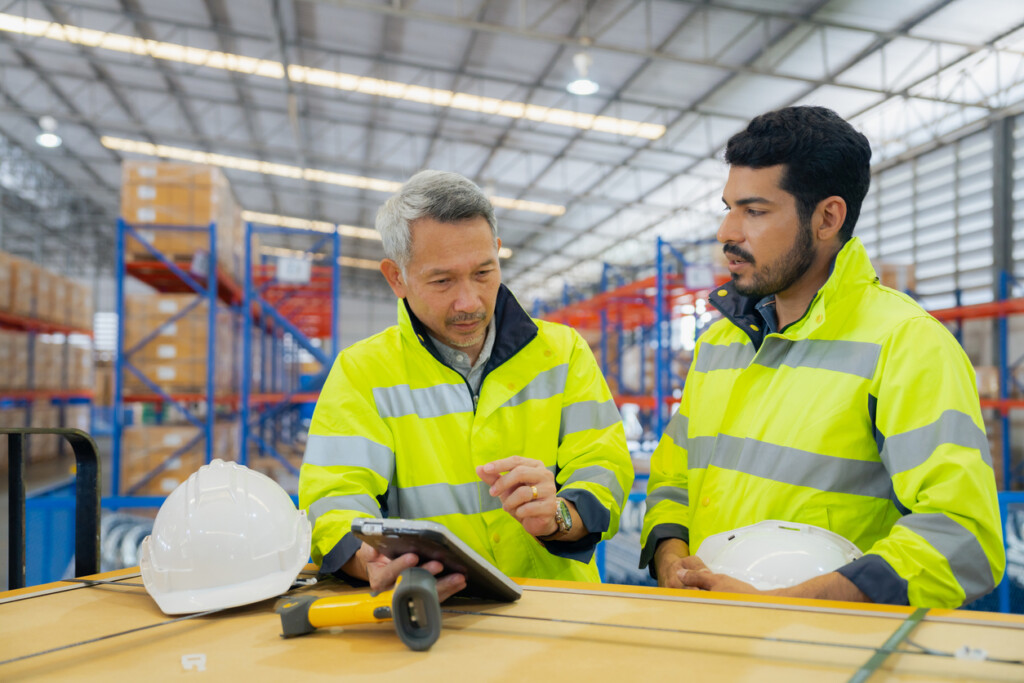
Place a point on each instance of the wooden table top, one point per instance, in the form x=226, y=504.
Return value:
x=703, y=636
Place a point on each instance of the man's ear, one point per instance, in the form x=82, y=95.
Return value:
x=829, y=217
x=393, y=274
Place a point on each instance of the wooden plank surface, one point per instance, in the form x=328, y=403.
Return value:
x=703, y=636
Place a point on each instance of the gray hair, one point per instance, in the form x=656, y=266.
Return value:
x=442, y=196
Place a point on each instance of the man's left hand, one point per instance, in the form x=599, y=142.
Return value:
x=526, y=489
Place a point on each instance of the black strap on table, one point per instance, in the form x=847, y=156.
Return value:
x=87, y=501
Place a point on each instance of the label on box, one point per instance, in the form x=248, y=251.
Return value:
x=167, y=351
x=168, y=484
x=294, y=270
x=165, y=373
x=146, y=192
x=173, y=441
x=146, y=215
x=169, y=330
x=146, y=171
x=167, y=306
x=174, y=463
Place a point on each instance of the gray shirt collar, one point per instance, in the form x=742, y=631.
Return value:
x=459, y=359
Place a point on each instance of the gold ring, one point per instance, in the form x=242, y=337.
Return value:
x=534, y=489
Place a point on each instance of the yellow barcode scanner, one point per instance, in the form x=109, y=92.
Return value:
x=412, y=604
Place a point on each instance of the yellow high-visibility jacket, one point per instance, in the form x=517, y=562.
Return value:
x=862, y=418
x=398, y=433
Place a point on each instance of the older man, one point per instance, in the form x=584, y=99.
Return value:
x=467, y=412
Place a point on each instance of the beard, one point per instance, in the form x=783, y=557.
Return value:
x=465, y=318
x=779, y=276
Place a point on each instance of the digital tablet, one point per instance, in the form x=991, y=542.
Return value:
x=433, y=541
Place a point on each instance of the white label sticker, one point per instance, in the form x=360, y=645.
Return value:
x=294, y=270
x=173, y=440
x=145, y=214
x=146, y=171
x=146, y=192
x=167, y=351
x=167, y=306
x=169, y=330
x=165, y=373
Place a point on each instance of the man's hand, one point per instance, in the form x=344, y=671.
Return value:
x=381, y=572
x=669, y=561
x=516, y=488
x=693, y=573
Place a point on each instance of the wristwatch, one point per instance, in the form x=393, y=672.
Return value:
x=562, y=517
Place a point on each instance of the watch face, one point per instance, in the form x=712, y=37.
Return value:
x=564, y=519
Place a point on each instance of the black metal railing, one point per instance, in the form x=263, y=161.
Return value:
x=87, y=501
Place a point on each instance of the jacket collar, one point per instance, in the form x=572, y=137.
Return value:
x=851, y=270
x=513, y=329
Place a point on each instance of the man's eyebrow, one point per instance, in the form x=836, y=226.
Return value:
x=749, y=200
x=445, y=271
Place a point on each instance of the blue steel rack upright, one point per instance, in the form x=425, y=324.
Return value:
x=279, y=392
x=167, y=275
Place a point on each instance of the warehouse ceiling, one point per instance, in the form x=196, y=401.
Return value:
x=317, y=108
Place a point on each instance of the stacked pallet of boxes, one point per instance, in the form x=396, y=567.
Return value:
x=175, y=358
x=172, y=205
x=36, y=363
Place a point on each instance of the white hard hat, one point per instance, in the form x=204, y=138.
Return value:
x=227, y=536
x=774, y=554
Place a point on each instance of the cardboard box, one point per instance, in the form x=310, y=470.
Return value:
x=13, y=360
x=23, y=286
x=987, y=377
x=898, y=276
x=5, y=281
x=156, y=458
x=157, y=196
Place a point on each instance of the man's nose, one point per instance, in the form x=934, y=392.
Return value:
x=729, y=230
x=466, y=298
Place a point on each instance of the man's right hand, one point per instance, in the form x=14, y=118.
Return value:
x=382, y=572
x=672, y=556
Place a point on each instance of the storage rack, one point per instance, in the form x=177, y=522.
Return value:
x=639, y=311
x=24, y=399
x=1000, y=309
x=299, y=312
x=165, y=275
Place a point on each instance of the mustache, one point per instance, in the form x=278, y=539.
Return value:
x=465, y=318
x=736, y=251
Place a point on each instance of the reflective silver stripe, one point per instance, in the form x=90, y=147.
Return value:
x=585, y=415
x=435, y=401
x=360, y=502
x=597, y=475
x=848, y=357
x=673, y=493
x=735, y=356
x=545, y=385
x=959, y=546
x=699, y=451
x=906, y=451
x=793, y=466
x=349, y=451
x=434, y=500
x=677, y=428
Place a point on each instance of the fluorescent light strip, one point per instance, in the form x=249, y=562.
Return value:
x=288, y=171
x=365, y=264
x=297, y=223
x=324, y=78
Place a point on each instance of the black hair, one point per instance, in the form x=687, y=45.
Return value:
x=823, y=155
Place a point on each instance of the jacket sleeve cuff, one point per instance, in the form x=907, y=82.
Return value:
x=877, y=579
x=596, y=519
x=658, y=534
x=341, y=553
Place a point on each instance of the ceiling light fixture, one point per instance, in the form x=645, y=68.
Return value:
x=48, y=137
x=323, y=226
x=297, y=172
x=325, y=78
x=582, y=85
